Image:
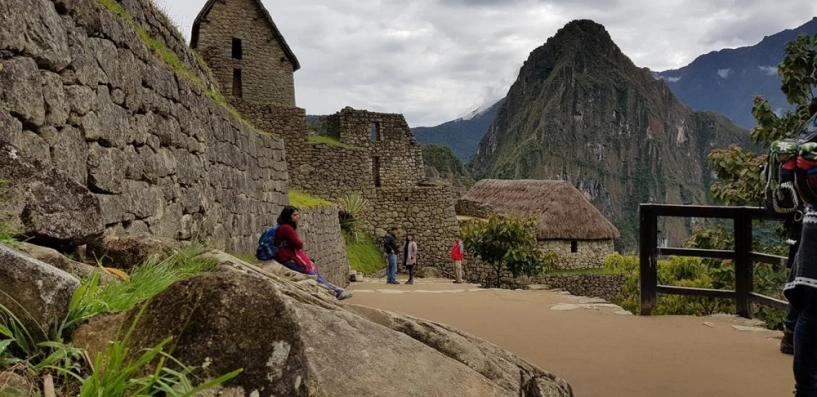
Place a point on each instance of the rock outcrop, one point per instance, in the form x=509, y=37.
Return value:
x=56, y=259
x=45, y=204
x=126, y=252
x=294, y=342
x=37, y=293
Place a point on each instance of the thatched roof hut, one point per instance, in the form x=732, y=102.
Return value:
x=561, y=211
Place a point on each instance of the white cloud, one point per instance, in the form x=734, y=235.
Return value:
x=433, y=60
x=724, y=73
x=769, y=70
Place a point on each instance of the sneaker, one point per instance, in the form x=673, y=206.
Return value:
x=410, y=282
x=457, y=282
x=787, y=343
x=344, y=295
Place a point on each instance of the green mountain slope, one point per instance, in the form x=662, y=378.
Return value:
x=581, y=111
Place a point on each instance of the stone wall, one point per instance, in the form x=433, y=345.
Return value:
x=474, y=209
x=266, y=71
x=290, y=124
x=427, y=212
x=83, y=93
x=604, y=286
x=319, y=229
x=337, y=171
x=395, y=152
x=589, y=253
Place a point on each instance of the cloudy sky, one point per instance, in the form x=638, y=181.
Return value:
x=436, y=60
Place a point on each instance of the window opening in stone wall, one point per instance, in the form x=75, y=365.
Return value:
x=237, y=52
x=376, y=171
x=237, y=91
x=574, y=246
x=375, y=131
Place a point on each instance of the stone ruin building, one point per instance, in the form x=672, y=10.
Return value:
x=566, y=222
x=371, y=154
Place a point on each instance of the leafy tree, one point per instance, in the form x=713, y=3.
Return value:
x=736, y=167
x=506, y=243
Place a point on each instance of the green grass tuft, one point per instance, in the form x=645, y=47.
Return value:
x=302, y=200
x=329, y=141
x=364, y=256
x=146, y=281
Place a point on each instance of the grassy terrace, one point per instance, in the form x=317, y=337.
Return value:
x=302, y=200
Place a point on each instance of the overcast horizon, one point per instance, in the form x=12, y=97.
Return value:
x=436, y=60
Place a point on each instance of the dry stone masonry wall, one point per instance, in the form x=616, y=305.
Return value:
x=427, y=212
x=319, y=229
x=83, y=93
x=589, y=253
x=605, y=286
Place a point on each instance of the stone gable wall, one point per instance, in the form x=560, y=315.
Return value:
x=400, y=156
x=590, y=253
x=319, y=229
x=83, y=93
x=267, y=74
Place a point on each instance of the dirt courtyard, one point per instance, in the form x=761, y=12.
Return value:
x=601, y=352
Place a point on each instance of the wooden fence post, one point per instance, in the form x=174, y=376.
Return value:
x=743, y=265
x=648, y=227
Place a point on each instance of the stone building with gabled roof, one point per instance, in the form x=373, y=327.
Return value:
x=566, y=222
x=247, y=53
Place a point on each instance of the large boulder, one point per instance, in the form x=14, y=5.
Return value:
x=294, y=342
x=126, y=252
x=35, y=292
x=46, y=204
x=58, y=260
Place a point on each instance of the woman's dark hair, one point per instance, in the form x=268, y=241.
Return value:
x=286, y=216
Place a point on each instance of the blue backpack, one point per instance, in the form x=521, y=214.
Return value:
x=267, y=250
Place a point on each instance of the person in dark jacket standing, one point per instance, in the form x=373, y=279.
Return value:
x=390, y=246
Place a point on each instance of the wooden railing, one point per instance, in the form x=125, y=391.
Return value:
x=742, y=256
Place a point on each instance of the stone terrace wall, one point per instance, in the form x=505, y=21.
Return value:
x=290, y=124
x=338, y=171
x=427, y=212
x=590, y=253
x=319, y=229
x=604, y=286
x=83, y=93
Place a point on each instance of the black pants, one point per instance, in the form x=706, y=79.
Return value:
x=410, y=269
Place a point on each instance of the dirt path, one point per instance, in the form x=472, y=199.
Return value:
x=601, y=354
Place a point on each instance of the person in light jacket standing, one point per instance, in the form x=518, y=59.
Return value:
x=457, y=254
x=410, y=257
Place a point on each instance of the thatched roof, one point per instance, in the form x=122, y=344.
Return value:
x=276, y=34
x=561, y=211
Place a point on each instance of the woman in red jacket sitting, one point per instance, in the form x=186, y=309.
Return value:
x=290, y=252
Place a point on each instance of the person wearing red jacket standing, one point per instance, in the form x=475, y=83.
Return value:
x=290, y=251
x=457, y=255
